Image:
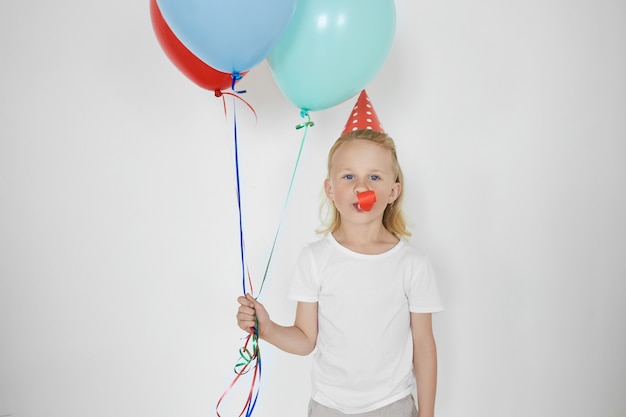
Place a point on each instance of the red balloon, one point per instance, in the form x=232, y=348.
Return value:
x=193, y=67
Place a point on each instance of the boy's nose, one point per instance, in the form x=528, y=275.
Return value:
x=360, y=187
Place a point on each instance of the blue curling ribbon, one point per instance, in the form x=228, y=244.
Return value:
x=239, y=210
x=236, y=76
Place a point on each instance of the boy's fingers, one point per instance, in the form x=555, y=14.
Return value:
x=247, y=301
x=251, y=299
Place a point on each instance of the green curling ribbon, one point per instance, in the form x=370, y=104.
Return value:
x=308, y=123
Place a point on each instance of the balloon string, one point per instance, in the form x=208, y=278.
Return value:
x=306, y=126
x=221, y=94
x=242, y=246
x=218, y=93
x=251, y=358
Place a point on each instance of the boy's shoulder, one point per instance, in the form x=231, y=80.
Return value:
x=413, y=250
x=321, y=244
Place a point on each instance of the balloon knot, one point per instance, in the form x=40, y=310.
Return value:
x=309, y=123
x=236, y=76
x=218, y=93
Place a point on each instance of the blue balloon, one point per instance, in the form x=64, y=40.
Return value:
x=332, y=50
x=230, y=36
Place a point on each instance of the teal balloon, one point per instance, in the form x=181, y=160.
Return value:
x=331, y=50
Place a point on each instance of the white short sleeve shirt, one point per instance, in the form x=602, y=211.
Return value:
x=363, y=358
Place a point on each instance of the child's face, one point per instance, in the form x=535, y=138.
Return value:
x=358, y=166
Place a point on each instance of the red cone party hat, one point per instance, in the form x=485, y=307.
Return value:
x=363, y=116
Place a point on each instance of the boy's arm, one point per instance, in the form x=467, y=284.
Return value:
x=298, y=339
x=424, y=362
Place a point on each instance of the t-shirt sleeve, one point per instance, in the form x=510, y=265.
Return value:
x=423, y=293
x=304, y=285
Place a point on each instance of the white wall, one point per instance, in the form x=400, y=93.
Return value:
x=118, y=231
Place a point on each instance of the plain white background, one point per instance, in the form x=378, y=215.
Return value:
x=118, y=230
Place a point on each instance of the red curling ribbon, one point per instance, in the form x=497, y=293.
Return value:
x=366, y=200
x=221, y=94
x=250, y=360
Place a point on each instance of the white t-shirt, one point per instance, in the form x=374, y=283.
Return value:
x=364, y=358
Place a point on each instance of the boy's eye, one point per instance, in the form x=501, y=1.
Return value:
x=348, y=176
x=374, y=177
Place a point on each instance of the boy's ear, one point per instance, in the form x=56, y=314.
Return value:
x=328, y=189
x=395, y=192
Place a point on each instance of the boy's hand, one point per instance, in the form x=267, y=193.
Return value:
x=250, y=310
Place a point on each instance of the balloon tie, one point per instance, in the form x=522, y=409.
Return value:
x=236, y=76
x=305, y=113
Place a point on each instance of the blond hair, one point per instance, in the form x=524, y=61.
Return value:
x=394, y=219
